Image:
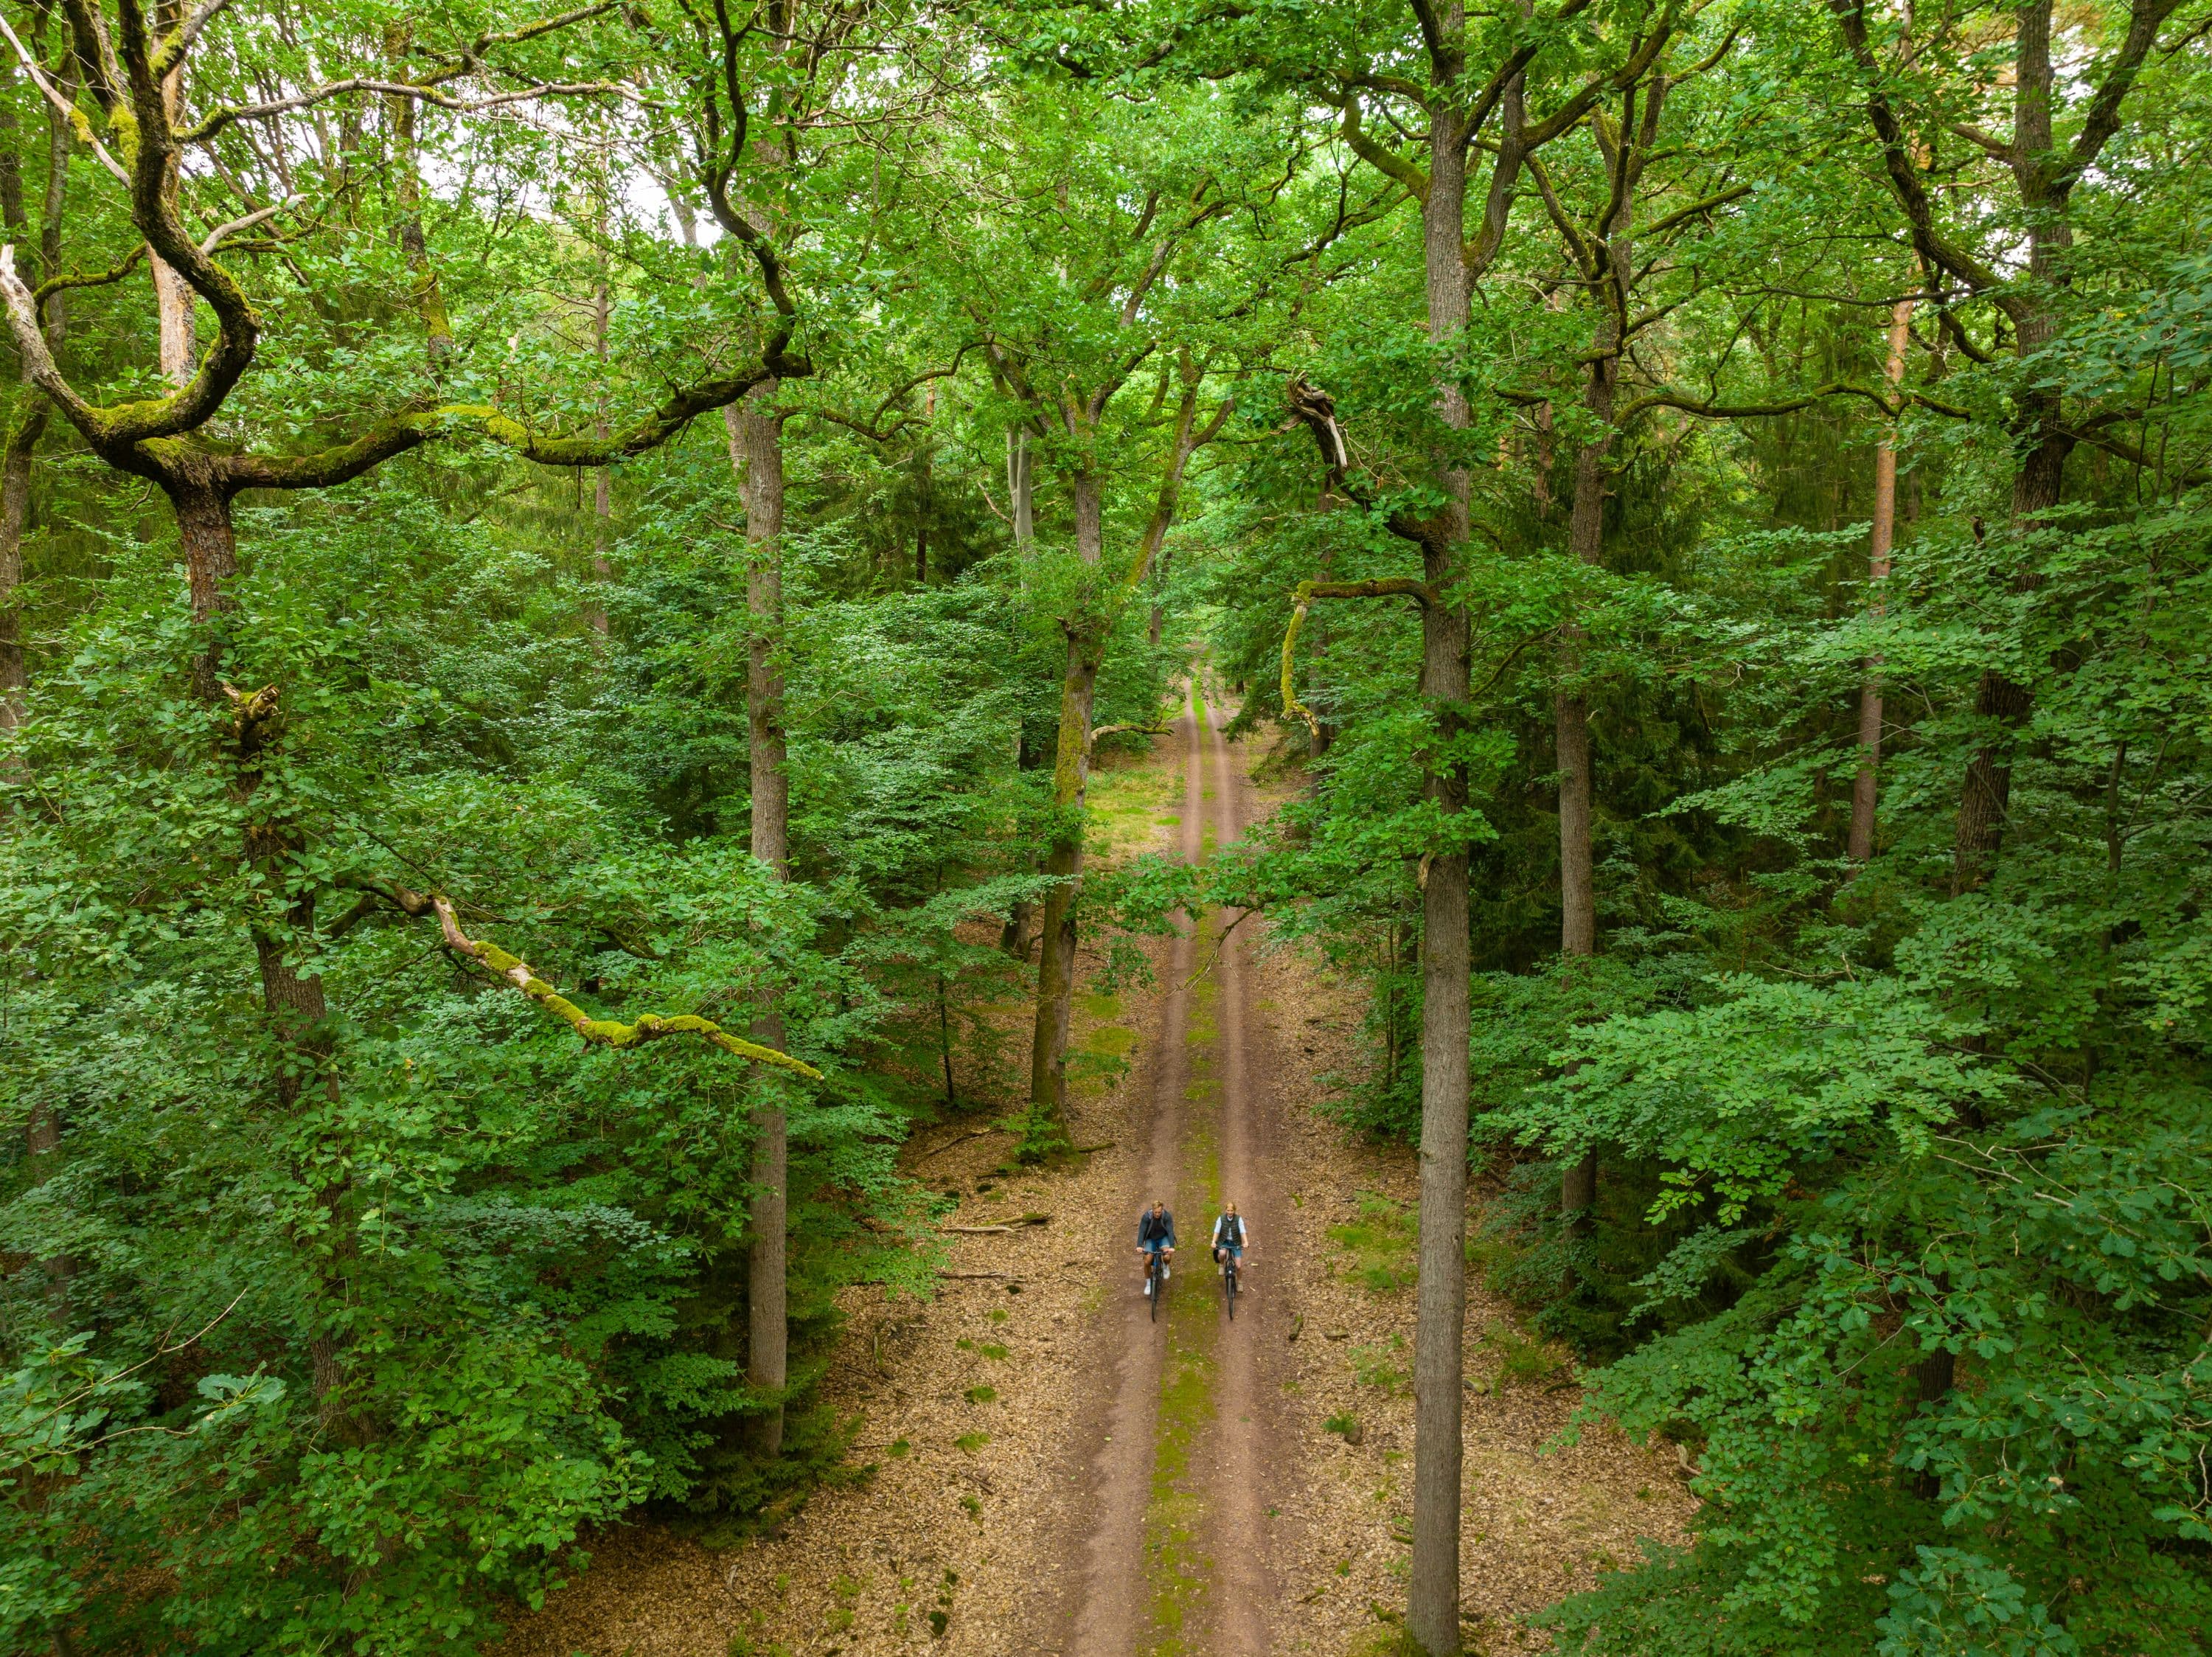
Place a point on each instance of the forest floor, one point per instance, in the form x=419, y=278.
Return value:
x=1054, y=1470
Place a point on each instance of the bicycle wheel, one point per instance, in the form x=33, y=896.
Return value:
x=1229, y=1283
x=1152, y=1278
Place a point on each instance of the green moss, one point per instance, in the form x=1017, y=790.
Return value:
x=1376, y=1249
x=1109, y=1041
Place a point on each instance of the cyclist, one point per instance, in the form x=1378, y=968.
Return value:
x=1155, y=1235
x=1230, y=1238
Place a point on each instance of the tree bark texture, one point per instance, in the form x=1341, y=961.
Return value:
x=1859, y=845
x=756, y=447
x=1439, y=1366
x=210, y=548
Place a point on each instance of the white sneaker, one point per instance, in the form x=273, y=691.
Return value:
x=1148, y=1288
x=1166, y=1272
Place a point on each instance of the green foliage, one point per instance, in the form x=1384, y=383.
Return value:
x=344, y=1291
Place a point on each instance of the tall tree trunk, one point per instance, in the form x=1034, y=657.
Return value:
x=1433, y=1601
x=1021, y=496
x=25, y=428
x=174, y=299
x=1570, y=722
x=2002, y=705
x=406, y=158
x=292, y=1002
x=756, y=449
x=1616, y=272
x=1859, y=847
x=210, y=549
x=42, y=1131
x=23, y=433
x=1071, y=775
x=1089, y=631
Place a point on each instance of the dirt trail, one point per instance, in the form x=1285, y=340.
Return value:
x=1050, y=1471
x=1110, y=1608
x=1178, y=1535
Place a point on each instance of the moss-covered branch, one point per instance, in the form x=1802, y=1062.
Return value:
x=607, y=1032
x=411, y=430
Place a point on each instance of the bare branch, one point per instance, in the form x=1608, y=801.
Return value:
x=230, y=115
x=223, y=233
x=78, y=125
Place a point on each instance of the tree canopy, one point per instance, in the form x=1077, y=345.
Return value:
x=562, y=572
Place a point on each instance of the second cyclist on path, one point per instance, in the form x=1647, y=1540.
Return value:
x=1231, y=1237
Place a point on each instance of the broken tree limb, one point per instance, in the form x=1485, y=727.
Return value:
x=607, y=1032
x=957, y=1139
x=1116, y=730
x=1388, y=588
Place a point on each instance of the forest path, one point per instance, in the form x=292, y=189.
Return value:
x=1173, y=1527
x=1251, y=1493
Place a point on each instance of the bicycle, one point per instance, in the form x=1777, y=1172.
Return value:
x=1156, y=1277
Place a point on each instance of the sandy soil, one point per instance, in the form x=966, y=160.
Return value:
x=1054, y=1472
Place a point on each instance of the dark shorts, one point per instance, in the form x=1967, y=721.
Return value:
x=1155, y=1244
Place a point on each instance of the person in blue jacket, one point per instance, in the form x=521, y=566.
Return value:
x=1155, y=1235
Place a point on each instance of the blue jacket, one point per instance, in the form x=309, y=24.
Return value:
x=1156, y=1229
